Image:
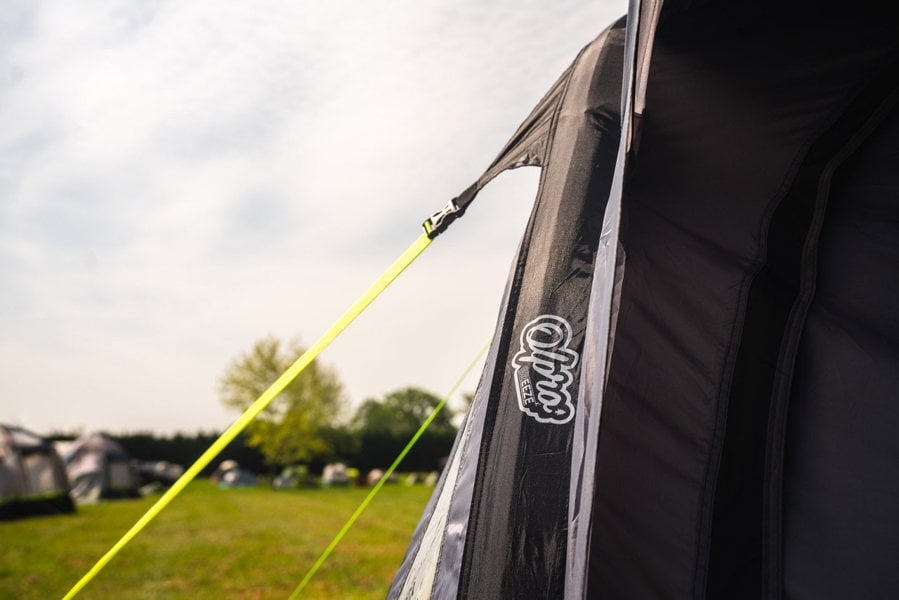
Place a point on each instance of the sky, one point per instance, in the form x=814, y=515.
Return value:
x=179, y=179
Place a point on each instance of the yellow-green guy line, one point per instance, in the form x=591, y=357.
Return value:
x=259, y=405
x=374, y=491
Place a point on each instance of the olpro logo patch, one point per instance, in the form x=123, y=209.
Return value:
x=543, y=370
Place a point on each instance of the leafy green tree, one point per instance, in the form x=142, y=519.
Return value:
x=402, y=412
x=383, y=427
x=295, y=425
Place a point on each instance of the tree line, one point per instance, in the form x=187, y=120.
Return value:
x=308, y=423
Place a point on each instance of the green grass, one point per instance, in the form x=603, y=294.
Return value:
x=211, y=543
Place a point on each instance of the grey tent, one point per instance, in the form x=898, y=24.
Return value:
x=32, y=476
x=229, y=474
x=100, y=468
x=693, y=388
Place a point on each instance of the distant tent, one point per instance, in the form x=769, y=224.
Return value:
x=335, y=474
x=229, y=464
x=100, y=468
x=159, y=472
x=693, y=388
x=375, y=475
x=229, y=474
x=292, y=477
x=154, y=476
x=32, y=476
x=237, y=478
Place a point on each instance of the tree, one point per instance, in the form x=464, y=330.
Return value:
x=402, y=412
x=384, y=427
x=293, y=427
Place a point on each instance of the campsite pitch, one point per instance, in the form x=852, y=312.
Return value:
x=211, y=543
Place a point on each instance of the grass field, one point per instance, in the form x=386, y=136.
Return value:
x=210, y=543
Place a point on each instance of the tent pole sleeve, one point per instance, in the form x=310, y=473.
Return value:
x=398, y=266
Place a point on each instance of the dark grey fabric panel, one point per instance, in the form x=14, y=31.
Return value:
x=841, y=512
x=517, y=537
x=736, y=95
x=744, y=550
x=515, y=519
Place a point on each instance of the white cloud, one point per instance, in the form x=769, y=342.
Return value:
x=178, y=179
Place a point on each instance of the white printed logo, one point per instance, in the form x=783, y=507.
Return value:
x=543, y=370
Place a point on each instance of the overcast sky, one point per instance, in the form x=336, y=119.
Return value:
x=181, y=178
